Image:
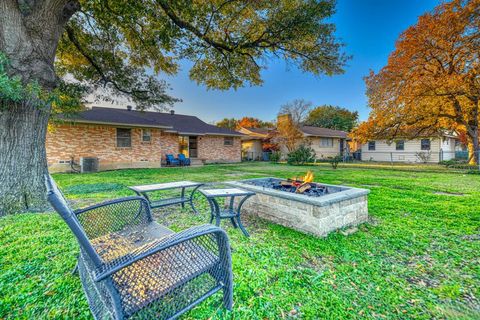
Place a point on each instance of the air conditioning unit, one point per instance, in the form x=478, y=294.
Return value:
x=88, y=165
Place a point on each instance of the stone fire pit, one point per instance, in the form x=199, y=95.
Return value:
x=316, y=213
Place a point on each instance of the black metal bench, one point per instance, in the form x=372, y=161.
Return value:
x=132, y=267
x=143, y=190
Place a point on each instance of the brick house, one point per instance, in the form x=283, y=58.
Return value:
x=125, y=138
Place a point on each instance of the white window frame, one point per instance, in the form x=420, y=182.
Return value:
x=374, y=145
x=226, y=141
x=129, y=138
x=429, y=144
x=328, y=144
x=149, y=135
x=397, y=144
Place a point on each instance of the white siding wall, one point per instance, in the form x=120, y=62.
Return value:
x=323, y=152
x=387, y=152
x=448, y=146
x=320, y=152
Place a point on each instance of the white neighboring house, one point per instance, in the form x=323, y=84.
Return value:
x=432, y=149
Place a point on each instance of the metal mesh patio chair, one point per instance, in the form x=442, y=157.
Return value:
x=131, y=267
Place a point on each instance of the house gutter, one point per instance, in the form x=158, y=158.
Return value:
x=204, y=134
x=116, y=124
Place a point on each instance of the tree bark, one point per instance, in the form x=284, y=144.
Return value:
x=29, y=35
x=474, y=148
x=23, y=160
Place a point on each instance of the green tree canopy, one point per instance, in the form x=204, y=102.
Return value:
x=229, y=123
x=123, y=48
x=332, y=117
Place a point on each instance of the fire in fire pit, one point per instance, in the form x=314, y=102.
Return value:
x=300, y=185
x=297, y=184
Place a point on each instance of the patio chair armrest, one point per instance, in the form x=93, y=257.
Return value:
x=110, y=203
x=196, y=239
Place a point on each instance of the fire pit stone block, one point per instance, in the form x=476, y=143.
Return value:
x=342, y=207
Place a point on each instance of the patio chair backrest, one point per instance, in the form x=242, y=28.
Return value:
x=181, y=156
x=170, y=157
x=59, y=203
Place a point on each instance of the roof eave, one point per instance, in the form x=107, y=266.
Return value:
x=323, y=136
x=225, y=134
x=117, y=124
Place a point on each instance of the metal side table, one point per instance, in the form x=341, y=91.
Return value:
x=234, y=214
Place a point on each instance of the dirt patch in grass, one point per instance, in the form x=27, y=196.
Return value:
x=316, y=263
x=235, y=174
x=451, y=194
x=472, y=237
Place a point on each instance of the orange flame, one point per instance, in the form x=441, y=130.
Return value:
x=306, y=178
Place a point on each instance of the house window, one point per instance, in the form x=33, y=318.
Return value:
x=124, y=138
x=146, y=135
x=326, y=142
x=228, y=141
x=425, y=144
x=371, y=145
x=400, y=145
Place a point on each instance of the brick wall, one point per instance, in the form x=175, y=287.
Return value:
x=66, y=140
x=169, y=144
x=82, y=140
x=212, y=149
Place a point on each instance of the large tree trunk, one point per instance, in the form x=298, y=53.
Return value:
x=29, y=35
x=23, y=160
x=474, y=149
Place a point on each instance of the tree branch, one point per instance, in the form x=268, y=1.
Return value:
x=188, y=26
x=72, y=37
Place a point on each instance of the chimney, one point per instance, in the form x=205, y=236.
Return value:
x=129, y=108
x=284, y=118
x=172, y=112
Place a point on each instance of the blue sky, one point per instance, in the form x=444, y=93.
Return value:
x=369, y=28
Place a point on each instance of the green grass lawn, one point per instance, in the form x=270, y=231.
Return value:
x=418, y=257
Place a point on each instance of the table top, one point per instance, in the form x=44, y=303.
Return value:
x=165, y=186
x=211, y=193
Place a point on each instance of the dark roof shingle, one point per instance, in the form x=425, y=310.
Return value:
x=323, y=132
x=178, y=123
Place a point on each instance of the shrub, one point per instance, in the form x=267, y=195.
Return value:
x=424, y=156
x=453, y=162
x=275, y=156
x=335, y=160
x=302, y=155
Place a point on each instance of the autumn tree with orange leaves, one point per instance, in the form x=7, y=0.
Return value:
x=245, y=122
x=432, y=79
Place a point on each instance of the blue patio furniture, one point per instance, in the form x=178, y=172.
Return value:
x=132, y=267
x=171, y=161
x=184, y=161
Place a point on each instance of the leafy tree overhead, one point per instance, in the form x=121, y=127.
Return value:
x=122, y=46
x=432, y=79
x=333, y=118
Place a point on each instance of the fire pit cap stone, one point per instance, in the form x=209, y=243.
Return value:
x=341, y=192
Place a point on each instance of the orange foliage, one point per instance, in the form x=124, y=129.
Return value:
x=432, y=79
x=249, y=122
